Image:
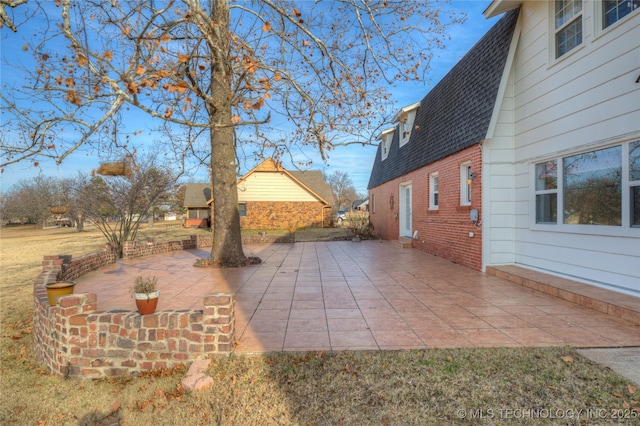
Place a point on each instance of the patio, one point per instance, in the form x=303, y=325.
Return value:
x=363, y=296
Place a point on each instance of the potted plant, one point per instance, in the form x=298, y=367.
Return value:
x=57, y=289
x=146, y=294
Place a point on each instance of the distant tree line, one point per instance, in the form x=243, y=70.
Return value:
x=116, y=205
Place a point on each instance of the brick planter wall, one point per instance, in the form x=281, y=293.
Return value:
x=131, y=249
x=74, y=339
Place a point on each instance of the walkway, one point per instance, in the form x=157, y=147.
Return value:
x=359, y=296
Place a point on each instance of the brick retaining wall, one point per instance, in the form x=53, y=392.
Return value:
x=74, y=339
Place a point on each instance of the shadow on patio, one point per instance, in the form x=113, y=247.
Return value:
x=363, y=296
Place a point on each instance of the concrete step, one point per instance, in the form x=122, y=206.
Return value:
x=403, y=242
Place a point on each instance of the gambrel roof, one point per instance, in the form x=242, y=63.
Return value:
x=456, y=113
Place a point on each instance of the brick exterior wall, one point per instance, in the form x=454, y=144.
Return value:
x=285, y=215
x=74, y=339
x=443, y=232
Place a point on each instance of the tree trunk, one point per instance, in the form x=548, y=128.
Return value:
x=227, y=240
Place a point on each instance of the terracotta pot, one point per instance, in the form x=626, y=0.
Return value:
x=58, y=289
x=146, y=302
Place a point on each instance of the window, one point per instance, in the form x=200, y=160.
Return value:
x=433, y=191
x=405, y=119
x=385, y=142
x=634, y=182
x=547, y=192
x=568, y=25
x=373, y=203
x=199, y=213
x=465, y=184
x=242, y=209
x=593, y=187
x=614, y=10
x=589, y=188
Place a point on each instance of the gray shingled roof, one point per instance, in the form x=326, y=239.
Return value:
x=456, y=113
x=314, y=179
x=197, y=194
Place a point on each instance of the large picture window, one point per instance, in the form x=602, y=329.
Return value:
x=599, y=187
x=593, y=187
x=568, y=25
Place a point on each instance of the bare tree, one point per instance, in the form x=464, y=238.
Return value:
x=78, y=198
x=31, y=199
x=343, y=189
x=277, y=75
x=118, y=205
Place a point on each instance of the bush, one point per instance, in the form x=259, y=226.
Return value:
x=358, y=225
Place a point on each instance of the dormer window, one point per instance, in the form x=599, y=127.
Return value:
x=405, y=119
x=385, y=142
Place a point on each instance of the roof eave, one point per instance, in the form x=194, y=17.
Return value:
x=498, y=7
x=405, y=110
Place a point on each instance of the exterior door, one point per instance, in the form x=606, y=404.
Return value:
x=405, y=210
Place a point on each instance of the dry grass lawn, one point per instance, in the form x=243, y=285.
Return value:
x=472, y=386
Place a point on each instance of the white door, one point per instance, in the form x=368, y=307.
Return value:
x=405, y=210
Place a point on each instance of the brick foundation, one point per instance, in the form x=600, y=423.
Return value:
x=74, y=339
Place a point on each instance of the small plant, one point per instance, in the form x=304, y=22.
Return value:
x=145, y=284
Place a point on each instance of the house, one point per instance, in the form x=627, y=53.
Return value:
x=550, y=153
x=426, y=179
x=196, y=199
x=361, y=205
x=270, y=197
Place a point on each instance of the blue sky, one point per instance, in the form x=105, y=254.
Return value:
x=354, y=160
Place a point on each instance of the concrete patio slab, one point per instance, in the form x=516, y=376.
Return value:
x=361, y=296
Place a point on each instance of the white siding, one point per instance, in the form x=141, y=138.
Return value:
x=271, y=186
x=586, y=100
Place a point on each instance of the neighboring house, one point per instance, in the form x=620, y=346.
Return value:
x=555, y=169
x=271, y=197
x=361, y=205
x=196, y=199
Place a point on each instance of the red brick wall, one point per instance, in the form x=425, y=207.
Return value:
x=285, y=215
x=443, y=232
x=74, y=339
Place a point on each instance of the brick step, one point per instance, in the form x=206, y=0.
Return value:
x=403, y=242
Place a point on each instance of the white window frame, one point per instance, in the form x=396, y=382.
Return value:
x=600, y=14
x=626, y=229
x=558, y=27
x=544, y=191
x=465, y=188
x=386, y=137
x=405, y=119
x=373, y=203
x=630, y=183
x=434, y=193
